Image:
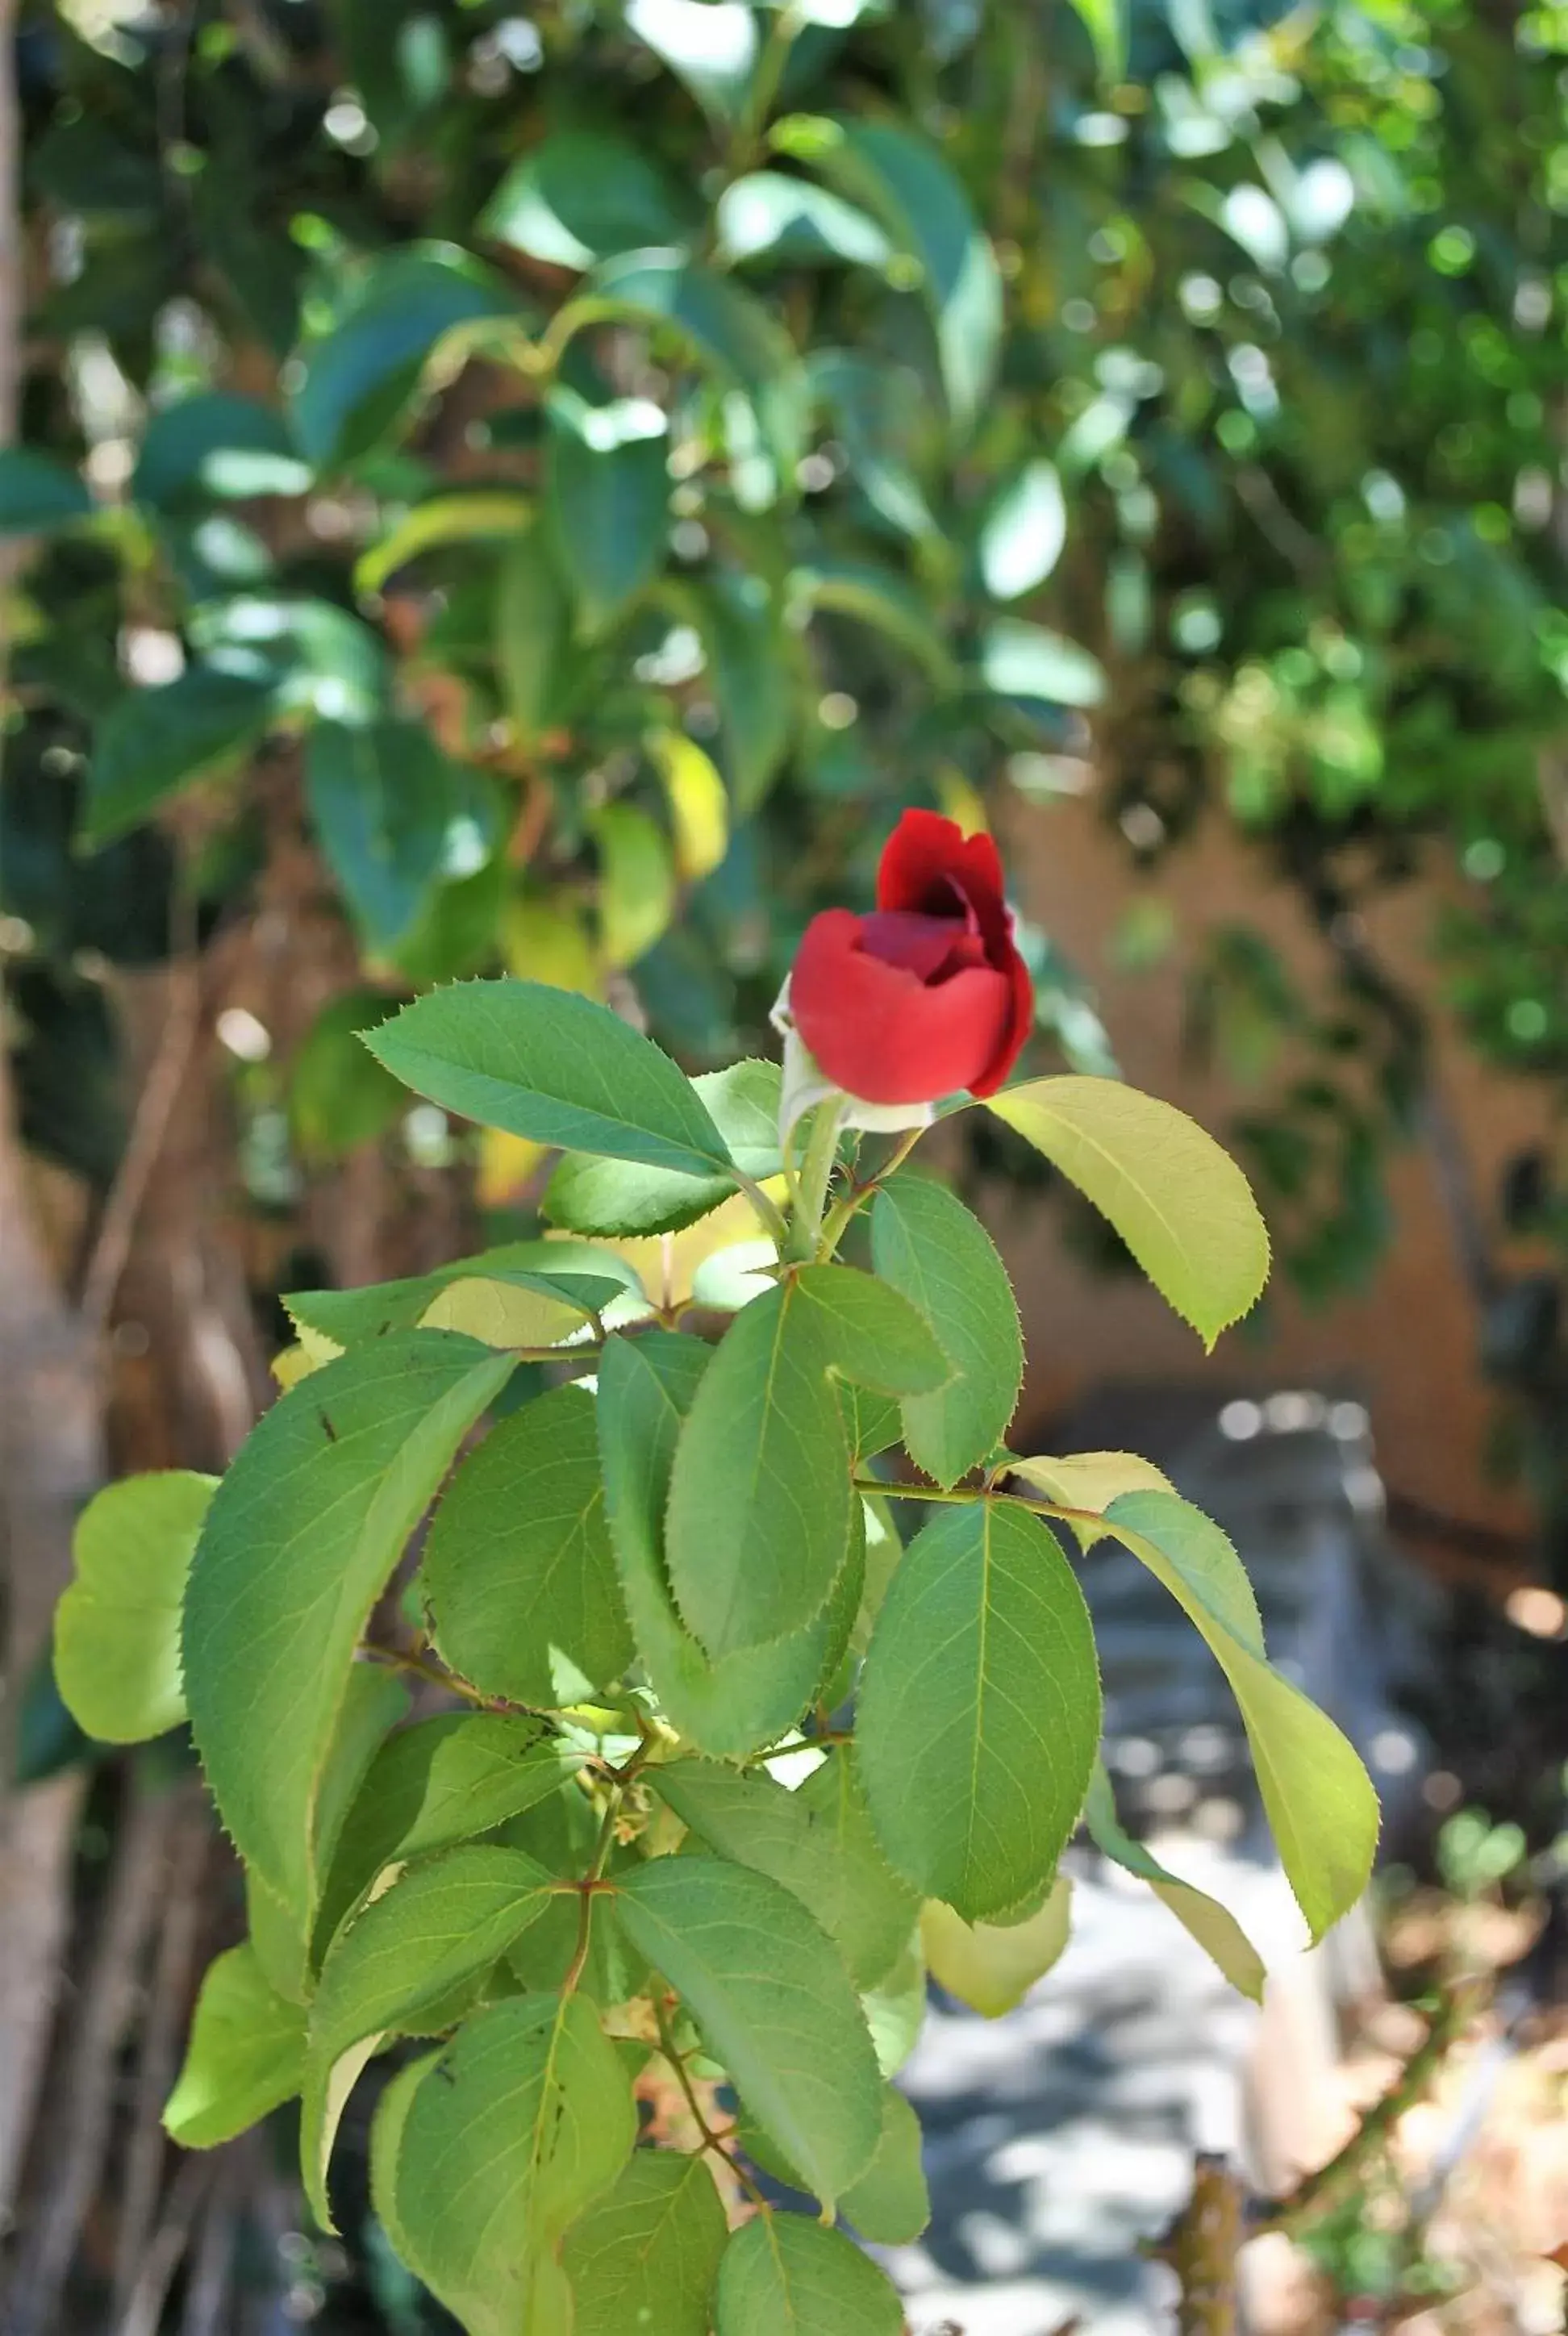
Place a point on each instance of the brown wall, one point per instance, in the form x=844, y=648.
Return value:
x=1407, y=1344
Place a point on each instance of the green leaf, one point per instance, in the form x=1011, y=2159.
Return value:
x=532, y=621
x=607, y=495
x=712, y=46
x=720, y=327
x=1320, y=1801
x=38, y=494
x=868, y=1332
x=979, y=1709
x=339, y=1097
x=698, y=805
x=318, y=660
x=783, y=2276
x=636, y=883
x=617, y=1197
x=385, y=2146
x=443, y=1922
x=890, y=2204
x=906, y=184
x=821, y=1849
x=991, y=1966
x=732, y=1708
x=1023, y=532
x=481, y=516
x=1089, y=1482
x=246, y=2055
x=430, y=1787
x=567, y=1279
x=301, y=1537
x=876, y=597
x=518, y=1575
x=751, y=677
x=1026, y=662
x=896, y=2010
x=359, y=379
x=1105, y=21
x=520, y=2124
x=759, y=1499
x=927, y=1245
x=766, y=216
x=582, y=195
x=1214, y=1927
x=771, y=1995
x=541, y=1063
x=117, y=1626
x=216, y=447
x=153, y=742
x=644, y=2259
x=1180, y=1203
x=383, y=799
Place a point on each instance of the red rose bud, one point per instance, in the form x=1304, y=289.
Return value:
x=927, y=994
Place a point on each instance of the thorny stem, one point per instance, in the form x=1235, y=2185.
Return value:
x=861, y=1191
x=716, y=2142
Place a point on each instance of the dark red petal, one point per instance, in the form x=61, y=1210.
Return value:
x=879, y=1033
x=926, y=854
x=1021, y=1022
x=930, y=947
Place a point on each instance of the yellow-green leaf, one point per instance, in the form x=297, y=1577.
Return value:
x=991, y=1966
x=699, y=804
x=1214, y=1927
x=1179, y=1201
x=444, y=519
x=117, y=1626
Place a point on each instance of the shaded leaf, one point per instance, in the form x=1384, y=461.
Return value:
x=153, y=742
x=772, y=1997
x=518, y=1569
x=783, y=2276
x=359, y=378
x=445, y=1921
x=734, y=1706
x=383, y=799
x=582, y=195
x=39, y=494
x=979, y=1709
x=646, y=2257
x=590, y=1195
x=488, y=515
x=608, y=498
x=216, y=447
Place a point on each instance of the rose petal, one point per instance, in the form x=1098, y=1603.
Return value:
x=879, y=1032
x=925, y=853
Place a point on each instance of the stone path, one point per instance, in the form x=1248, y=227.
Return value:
x=1061, y=2137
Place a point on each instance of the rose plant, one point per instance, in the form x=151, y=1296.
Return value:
x=709, y=1767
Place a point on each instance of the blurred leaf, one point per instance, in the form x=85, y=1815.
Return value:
x=156, y=741
x=482, y=516
x=751, y=681
x=216, y=447
x=547, y=939
x=637, y=882
x=532, y=620
x=722, y=328
x=38, y=494
x=906, y=184
x=583, y=195
x=699, y=807
x=315, y=658
x=878, y=598
x=712, y=44
x=382, y=799
x=1023, y=532
x=1106, y=21
x=339, y=1097
x=608, y=498
x=767, y=216
x=246, y=2054
x=1025, y=661
x=360, y=378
